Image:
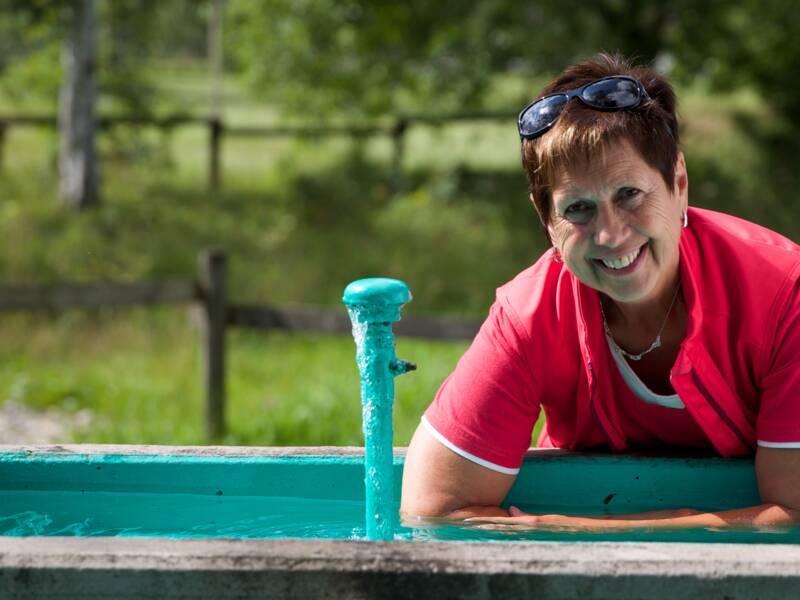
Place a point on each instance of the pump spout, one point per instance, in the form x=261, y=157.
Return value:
x=399, y=366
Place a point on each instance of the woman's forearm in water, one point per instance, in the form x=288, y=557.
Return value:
x=764, y=515
x=475, y=512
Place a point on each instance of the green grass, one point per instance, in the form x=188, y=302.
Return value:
x=138, y=372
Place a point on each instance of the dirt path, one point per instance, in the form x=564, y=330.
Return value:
x=20, y=424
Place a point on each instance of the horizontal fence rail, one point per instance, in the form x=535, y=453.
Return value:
x=95, y=295
x=293, y=318
x=395, y=128
x=209, y=292
x=388, y=126
x=325, y=320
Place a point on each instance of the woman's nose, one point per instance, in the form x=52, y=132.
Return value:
x=610, y=228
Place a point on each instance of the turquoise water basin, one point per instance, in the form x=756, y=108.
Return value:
x=319, y=493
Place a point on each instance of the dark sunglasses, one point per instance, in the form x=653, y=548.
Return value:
x=617, y=92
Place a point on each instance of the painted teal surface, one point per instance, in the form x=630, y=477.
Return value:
x=377, y=291
x=323, y=496
x=373, y=304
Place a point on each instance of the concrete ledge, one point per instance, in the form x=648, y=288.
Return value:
x=158, y=568
x=155, y=450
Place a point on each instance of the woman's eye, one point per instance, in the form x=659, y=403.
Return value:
x=580, y=212
x=628, y=193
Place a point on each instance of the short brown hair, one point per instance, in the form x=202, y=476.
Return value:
x=582, y=132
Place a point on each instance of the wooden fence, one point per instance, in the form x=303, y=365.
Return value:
x=218, y=129
x=209, y=291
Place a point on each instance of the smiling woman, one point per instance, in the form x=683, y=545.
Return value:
x=649, y=325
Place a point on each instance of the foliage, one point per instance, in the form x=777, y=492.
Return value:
x=334, y=58
x=369, y=56
x=735, y=44
x=326, y=225
x=130, y=33
x=29, y=49
x=362, y=57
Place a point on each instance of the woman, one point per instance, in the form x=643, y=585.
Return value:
x=648, y=324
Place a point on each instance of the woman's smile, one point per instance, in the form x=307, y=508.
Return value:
x=624, y=264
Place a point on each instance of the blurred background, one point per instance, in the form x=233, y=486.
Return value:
x=314, y=142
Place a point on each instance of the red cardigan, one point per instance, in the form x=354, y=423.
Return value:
x=737, y=371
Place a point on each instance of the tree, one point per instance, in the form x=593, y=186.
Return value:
x=367, y=57
x=749, y=42
x=361, y=57
x=78, y=170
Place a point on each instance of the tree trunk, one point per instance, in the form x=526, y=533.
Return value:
x=78, y=170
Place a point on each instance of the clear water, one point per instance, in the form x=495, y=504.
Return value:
x=75, y=513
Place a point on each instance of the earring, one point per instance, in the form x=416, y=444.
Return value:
x=685, y=219
x=556, y=256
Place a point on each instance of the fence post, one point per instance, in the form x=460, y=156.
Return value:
x=214, y=156
x=213, y=279
x=398, y=139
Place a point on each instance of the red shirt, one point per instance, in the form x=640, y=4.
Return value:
x=543, y=345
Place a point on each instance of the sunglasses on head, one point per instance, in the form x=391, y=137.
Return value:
x=617, y=92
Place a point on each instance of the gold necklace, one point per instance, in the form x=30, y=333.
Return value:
x=656, y=342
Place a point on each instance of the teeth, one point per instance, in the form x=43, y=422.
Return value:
x=622, y=262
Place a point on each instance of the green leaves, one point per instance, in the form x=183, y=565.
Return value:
x=361, y=58
x=323, y=58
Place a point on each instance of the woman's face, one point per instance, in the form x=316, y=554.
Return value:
x=617, y=225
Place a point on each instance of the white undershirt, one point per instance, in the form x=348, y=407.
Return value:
x=638, y=386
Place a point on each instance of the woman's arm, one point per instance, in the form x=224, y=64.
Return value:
x=441, y=484
x=778, y=473
x=437, y=482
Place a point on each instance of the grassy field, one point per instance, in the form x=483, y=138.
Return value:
x=138, y=373
x=299, y=220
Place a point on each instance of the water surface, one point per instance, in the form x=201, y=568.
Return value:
x=102, y=513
